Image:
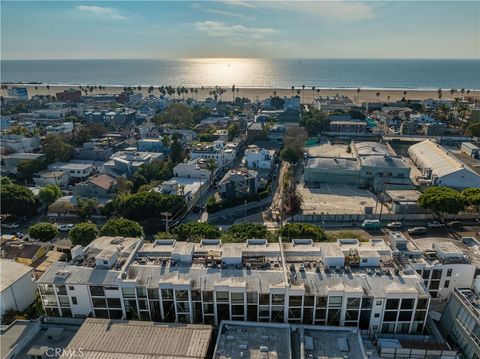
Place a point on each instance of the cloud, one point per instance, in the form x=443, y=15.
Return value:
x=221, y=29
x=221, y=12
x=105, y=12
x=336, y=10
x=249, y=4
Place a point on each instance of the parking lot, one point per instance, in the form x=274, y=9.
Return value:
x=337, y=199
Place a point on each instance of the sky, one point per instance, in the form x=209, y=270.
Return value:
x=239, y=28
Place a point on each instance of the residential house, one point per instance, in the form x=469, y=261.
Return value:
x=238, y=183
x=93, y=152
x=11, y=162
x=195, y=168
x=127, y=162
x=24, y=252
x=159, y=144
x=258, y=158
x=17, y=287
x=20, y=144
x=58, y=178
x=76, y=169
x=99, y=186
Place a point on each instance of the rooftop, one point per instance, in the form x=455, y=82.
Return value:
x=11, y=272
x=103, y=338
x=332, y=163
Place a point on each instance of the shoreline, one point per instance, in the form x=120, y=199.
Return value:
x=261, y=93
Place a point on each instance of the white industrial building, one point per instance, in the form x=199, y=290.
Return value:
x=441, y=167
x=17, y=286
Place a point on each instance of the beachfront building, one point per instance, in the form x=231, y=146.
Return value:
x=346, y=283
x=440, y=167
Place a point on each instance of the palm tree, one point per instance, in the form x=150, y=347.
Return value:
x=233, y=93
x=48, y=88
x=196, y=92
x=293, y=89
x=462, y=91
x=468, y=92
x=378, y=95
x=303, y=94
x=388, y=98
x=211, y=166
x=318, y=91
x=404, y=95
x=358, y=94
x=313, y=93
x=36, y=90
x=274, y=93
x=452, y=91
x=440, y=94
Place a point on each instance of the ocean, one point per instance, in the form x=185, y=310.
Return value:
x=261, y=73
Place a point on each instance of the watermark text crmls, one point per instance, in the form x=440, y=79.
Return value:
x=66, y=353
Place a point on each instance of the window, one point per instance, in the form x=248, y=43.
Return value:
x=237, y=298
x=141, y=292
x=71, y=287
x=97, y=291
x=128, y=292
x=74, y=300
x=378, y=302
x=447, y=284
x=61, y=290
x=376, y=315
x=407, y=303
x=334, y=302
x=99, y=302
x=153, y=293
x=114, y=303
x=295, y=301
x=422, y=304
x=437, y=274
x=321, y=302
x=390, y=316
x=449, y=272
x=167, y=294
x=222, y=296
x=392, y=303
x=426, y=274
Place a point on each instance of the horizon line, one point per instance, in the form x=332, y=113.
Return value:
x=242, y=58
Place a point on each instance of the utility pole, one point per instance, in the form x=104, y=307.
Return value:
x=167, y=217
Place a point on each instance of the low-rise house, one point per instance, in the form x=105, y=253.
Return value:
x=24, y=252
x=76, y=169
x=127, y=162
x=195, y=168
x=72, y=95
x=212, y=150
x=190, y=189
x=65, y=127
x=11, y=162
x=20, y=144
x=99, y=186
x=238, y=183
x=276, y=133
x=348, y=126
x=258, y=158
x=93, y=152
x=63, y=207
x=58, y=178
x=17, y=286
x=159, y=144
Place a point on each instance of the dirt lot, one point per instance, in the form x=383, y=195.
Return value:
x=337, y=199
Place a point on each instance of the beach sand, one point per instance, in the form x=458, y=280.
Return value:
x=254, y=94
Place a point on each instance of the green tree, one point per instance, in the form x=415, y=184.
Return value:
x=43, y=231
x=27, y=168
x=83, y=233
x=49, y=194
x=211, y=166
x=177, y=115
x=55, y=149
x=242, y=231
x=315, y=122
x=153, y=171
x=5, y=180
x=472, y=196
x=442, y=200
x=176, y=150
x=474, y=129
x=85, y=208
x=290, y=154
x=233, y=131
x=302, y=231
x=145, y=205
x=196, y=229
x=121, y=227
x=17, y=200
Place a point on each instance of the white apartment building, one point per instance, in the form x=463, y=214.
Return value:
x=339, y=284
x=76, y=169
x=214, y=150
x=258, y=158
x=443, y=263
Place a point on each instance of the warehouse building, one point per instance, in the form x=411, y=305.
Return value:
x=346, y=283
x=372, y=164
x=441, y=168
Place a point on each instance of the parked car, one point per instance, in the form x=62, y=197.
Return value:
x=10, y=225
x=454, y=224
x=436, y=224
x=417, y=230
x=65, y=227
x=395, y=225
x=371, y=224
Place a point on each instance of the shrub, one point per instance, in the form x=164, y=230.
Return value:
x=83, y=233
x=43, y=231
